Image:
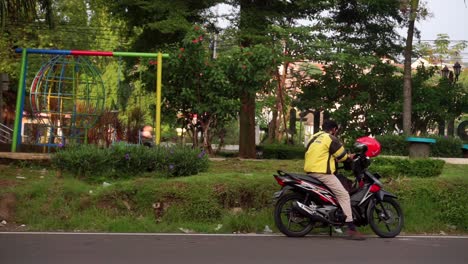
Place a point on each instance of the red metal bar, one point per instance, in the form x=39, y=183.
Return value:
x=91, y=53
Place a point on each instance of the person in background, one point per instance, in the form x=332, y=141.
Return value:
x=146, y=136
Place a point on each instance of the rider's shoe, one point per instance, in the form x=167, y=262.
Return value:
x=354, y=235
x=338, y=230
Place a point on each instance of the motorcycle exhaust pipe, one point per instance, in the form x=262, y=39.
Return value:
x=310, y=213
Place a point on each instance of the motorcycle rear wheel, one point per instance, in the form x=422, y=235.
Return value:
x=386, y=217
x=288, y=219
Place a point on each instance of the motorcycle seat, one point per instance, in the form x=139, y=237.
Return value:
x=306, y=177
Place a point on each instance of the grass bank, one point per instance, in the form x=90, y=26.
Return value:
x=232, y=196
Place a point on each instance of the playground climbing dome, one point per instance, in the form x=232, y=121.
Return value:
x=67, y=95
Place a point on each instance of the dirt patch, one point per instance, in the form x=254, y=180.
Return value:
x=8, y=204
x=7, y=207
x=7, y=183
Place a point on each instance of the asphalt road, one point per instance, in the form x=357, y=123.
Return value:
x=54, y=248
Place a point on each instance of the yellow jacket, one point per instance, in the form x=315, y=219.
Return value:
x=322, y=152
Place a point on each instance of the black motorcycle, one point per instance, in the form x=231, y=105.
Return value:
x=305, y=202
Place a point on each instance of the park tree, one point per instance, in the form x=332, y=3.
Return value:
x=441, y=52
x=255, y=20
x=407, y=87
x=413, y=10
x=438, y=99
x=20, y=11
x=253, y=23
x=198, y=86
x=357, y=86
x=158, y=22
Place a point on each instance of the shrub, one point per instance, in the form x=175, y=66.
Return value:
x=407, y=167
x=184, y=161
x=446, y=147
x=393, y=145
x=82, y=160
x=123, y=160
x=281, y=151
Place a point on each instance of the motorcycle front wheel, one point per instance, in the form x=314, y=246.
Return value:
x=288, y=219
x=385, y=217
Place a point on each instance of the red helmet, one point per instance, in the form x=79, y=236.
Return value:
x=373, y=146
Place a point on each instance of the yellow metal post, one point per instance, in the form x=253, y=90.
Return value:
x=158, y=99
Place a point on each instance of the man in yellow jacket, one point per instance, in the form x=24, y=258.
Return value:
x=323, y=151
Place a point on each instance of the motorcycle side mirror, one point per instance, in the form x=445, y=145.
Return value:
x=361, y=147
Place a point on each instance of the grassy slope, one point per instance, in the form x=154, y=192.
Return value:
x=232, y=196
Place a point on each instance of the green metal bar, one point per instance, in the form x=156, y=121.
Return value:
x=158, y=99
x=138, y=54
x=19, y=102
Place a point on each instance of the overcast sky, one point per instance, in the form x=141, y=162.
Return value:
x=449, y=17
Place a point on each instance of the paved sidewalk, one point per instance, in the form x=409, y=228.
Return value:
x=45, y=156
x=455, y=160
x=462, y=161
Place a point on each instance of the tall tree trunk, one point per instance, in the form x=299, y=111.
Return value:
x=451, y=127
x=272, y=126
x=206, y=135
x=441, y=127
x=279, y=108
x=194, y=133
x=247, y=126
x=251, y=24
x=407, y=85
x=316, y=121
x=282, y=116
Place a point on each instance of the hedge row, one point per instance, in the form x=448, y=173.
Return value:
x=444, y=146
x=281, y=151
x=122, y=160
x=394, y=167
x=392, y=145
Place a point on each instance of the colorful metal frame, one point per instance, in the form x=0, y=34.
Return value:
x=22, y=83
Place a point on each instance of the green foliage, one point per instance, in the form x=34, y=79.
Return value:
x=123, y=160
x=394, y=167
x=393, y=145
x=431, y=205
x=185, y=161
x=161, y=22
x=396, y=145
x=249, y=69
x=239, y=202
x=197, y=84
x=82, y=160
x=282, y=151
x=232, y=196
x=449, y=147
x=200, y=209
x=454, y=205
x=362, y=102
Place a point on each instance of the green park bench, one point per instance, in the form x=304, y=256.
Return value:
x=465, y=150
x=419, y=147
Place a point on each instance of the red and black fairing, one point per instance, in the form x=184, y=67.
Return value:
x=320, y=193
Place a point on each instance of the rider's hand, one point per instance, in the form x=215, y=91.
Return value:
x=351, y=156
